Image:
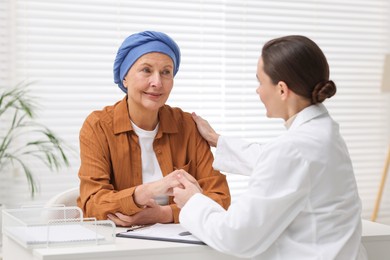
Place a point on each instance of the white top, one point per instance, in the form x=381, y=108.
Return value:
x=302, y=200
x=151, y=170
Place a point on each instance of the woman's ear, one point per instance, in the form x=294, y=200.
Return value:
x=124, y=83
x=283, y=90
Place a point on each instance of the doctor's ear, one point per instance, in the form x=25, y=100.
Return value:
x=283, y=89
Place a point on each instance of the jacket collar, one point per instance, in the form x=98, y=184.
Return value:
x=308, y=114
x=121, y=119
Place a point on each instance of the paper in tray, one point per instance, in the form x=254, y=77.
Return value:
x=34, y=235
x=55, y=226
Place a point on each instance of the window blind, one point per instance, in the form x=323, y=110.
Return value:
x=3, y=68
x=67, y=49
x=4, y=42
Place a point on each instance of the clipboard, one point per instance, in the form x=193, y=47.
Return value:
x=162, y=232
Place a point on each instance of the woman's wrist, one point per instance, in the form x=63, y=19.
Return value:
x=142, y=194
x=167, y=214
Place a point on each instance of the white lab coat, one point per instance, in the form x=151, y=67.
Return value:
x=302, y=201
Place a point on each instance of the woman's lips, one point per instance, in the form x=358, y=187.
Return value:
x=153, y=95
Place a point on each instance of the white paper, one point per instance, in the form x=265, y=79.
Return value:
x=31, y=235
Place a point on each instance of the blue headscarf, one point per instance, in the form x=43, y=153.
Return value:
x=139, y=44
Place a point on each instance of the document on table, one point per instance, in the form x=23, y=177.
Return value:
x=163, y=232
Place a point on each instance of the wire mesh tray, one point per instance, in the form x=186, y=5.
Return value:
x=56, y=226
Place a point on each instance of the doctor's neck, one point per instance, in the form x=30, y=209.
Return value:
x=294, y=105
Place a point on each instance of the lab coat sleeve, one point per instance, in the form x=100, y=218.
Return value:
x=236, y=155
x=277, y=193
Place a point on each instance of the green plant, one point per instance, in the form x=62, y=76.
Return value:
x=25, y=138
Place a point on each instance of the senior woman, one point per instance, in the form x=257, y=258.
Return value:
x=131, y=151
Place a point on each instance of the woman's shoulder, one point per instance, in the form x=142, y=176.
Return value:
x=104, y=115
x=177, y=114
x=175, y=120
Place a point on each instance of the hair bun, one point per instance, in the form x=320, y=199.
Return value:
x=323, y=90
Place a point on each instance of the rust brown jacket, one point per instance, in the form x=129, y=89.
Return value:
x=111, y=160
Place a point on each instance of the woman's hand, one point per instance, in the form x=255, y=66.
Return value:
x=151, y=214
x=188, y=189
x=162, y=187
x=206, y=131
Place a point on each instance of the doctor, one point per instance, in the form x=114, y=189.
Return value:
x=302, y=201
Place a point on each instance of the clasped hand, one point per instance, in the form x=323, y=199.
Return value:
x=184, y=184
x=186, y=190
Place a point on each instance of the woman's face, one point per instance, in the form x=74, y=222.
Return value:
x=268, y=92
x=149, y=81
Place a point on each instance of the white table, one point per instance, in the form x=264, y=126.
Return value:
x=376, y=239
x=124, y=248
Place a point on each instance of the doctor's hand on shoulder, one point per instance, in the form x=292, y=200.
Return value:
x=205, y=130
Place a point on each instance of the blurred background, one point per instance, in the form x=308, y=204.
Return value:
x=65, y=49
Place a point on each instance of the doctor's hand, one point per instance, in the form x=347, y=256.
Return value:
x=182, y=195
x=206, y=130
x=163, y=187
x=151, y=214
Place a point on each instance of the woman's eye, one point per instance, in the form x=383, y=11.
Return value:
x=146, y=70
x=166, y=74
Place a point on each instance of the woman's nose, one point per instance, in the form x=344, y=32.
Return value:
x=155, y=80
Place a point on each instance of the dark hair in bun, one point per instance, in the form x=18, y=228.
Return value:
x=322, y=91
x=300, y=63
